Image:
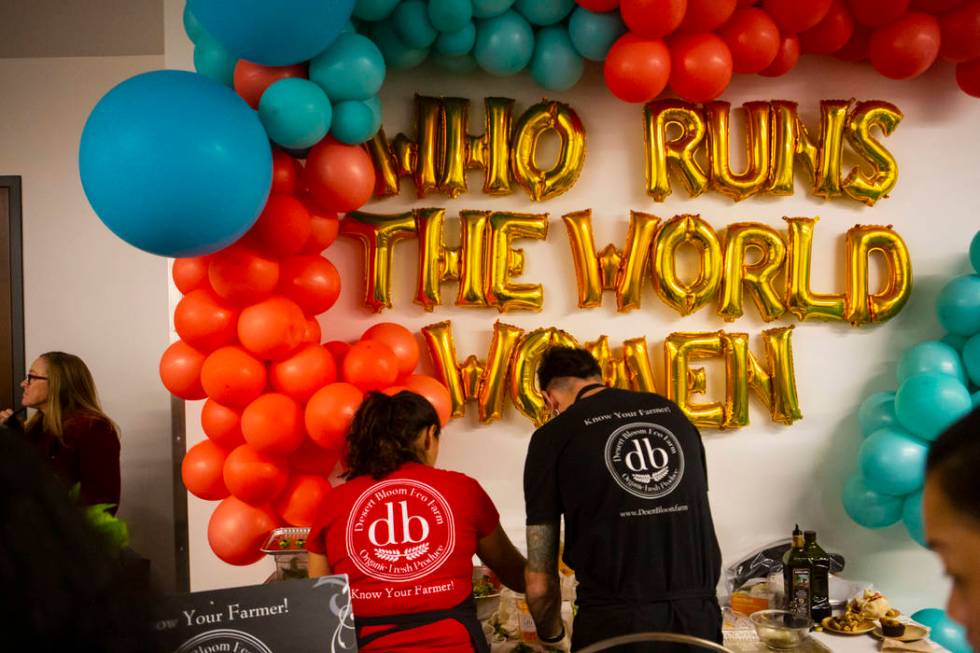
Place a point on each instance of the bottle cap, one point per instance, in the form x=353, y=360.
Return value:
x=810, y=536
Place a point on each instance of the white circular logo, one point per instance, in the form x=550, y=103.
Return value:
x=645, y=459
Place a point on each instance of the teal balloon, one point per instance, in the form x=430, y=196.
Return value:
x=912, y=517
x=296, y=113
x=955, y=341
x=352, y=68
x=504, y=44
x=213, y=61
x=593, y=33
x=971, y=359
x=374, y=9
x=877, y=412
x=398, y=55
x=869, y=508
x=412, y=24
x=926, y=404
x=555, y=65
x=975, y=398
x=544, y=12
x=490, y=8
x=943, y=630
x=456, y=63
x=958, y=305
x=450, y=15
x=975, y=252
x=459, y=42
x=893, y=462
x=192, y=27
x=931, y=357
x=355, y=122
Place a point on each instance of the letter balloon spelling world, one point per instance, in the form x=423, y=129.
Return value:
x=175, y=163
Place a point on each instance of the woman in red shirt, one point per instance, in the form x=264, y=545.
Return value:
x=405, y=534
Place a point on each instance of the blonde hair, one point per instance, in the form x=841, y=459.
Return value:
x=71, y=388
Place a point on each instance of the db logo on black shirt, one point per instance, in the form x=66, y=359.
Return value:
x=645, y=459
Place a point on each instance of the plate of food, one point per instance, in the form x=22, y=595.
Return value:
x=848, y=623
x=889, y=628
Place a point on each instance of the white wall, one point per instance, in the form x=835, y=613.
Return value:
x=766, y=477
x=86, y=291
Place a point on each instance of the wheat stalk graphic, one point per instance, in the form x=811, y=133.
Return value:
x=411, y=553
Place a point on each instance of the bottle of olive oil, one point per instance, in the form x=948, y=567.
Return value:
x=819, y=578
x=797, y=577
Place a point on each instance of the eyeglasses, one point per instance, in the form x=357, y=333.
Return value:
x=31, y=378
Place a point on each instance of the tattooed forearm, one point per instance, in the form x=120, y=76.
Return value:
x=543, y=589
x=542, y=548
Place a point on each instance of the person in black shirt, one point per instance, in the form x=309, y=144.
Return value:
x=627, y=472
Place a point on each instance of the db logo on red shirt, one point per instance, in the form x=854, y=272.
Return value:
x=400, y=530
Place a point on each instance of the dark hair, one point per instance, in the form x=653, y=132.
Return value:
x=383, y=434
x=558, y=362
x=954, y=459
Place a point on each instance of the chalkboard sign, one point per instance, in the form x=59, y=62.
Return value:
x=287, y=617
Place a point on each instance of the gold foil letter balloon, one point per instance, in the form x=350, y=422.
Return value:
x=686, y=298
x=738, y=186
x=862, y=306
x=662, y=152
x=378, y=235
x=858, y=184
x=758, y=277
x=524, y=366
x=536, y=121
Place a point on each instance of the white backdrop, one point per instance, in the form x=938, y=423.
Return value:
x=765, y=477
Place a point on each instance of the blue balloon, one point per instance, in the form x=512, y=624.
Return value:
x=296, y=113
x=278, y=33
x=352, y=68
x=975, y=252
x=213, y=61
x=192, y=27
x=175, y=164
x=930, y=357
x=555, y=65
x=490, y=8
x=912, y=517
x=594, y=33
x=928, y=403
x=893, y=462
x=971, y=358
x=975, y=398
x=958, y=305
x=398, y=54
x=869, y=508
x=877, y=412
x=955, y=341
x=943, y=630
x=450, y=15
x=355, y=121
x=544, y=12
x=411, y=22
x=374, y=9
x=504, y=44
x=458, y=42
x=456, y=63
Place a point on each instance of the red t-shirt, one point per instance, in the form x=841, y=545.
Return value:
x=407, y=542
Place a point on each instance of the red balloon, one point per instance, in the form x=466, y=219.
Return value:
x=701, y=66
x=204, y=321
x=312, y=332
x=652, y=19
x=786, y=57
x=329, y=413
x=856, y=48
x=286, y=173
x=830, y=34
x=273, y=424
x=222, y=425
x=435, y=392
x=242, y=276
x=961, y=33
x=325, y=225
x=907, y=47
x=637, y=69
x=706, y=15
x=370, y=365
x=237, y=530
x=400, y=340
x=391, y=391
x=202, y=471
x=795, y=16
x=251, y=79
x=340, y=177
x=311, y=281
x=748, y=3
x=303, y=499
x=253, y=477
x=283, y=227
x=753, y=40
x=936, y=6
x=232, y=377
x=311, y=458
x=877, y=13
x=189, y=274
x=272, y=329
x=303, y=373
x=598, y=6
x=180, y=371
x=338, y=349
x=968, y=77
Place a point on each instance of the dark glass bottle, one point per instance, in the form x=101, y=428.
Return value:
x=820, y=577
x=797, y=577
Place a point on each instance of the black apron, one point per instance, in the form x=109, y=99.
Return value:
x=464, y=613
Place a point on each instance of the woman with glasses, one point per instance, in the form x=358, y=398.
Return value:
x=69, y=428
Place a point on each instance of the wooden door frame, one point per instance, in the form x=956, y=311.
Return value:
x=12, y=264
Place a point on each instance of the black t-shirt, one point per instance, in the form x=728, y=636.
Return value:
x=627, y=471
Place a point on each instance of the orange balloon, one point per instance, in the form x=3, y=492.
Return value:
x=435, y=392
x=340, y=177
x=400, y=340
x=241, y=275
x=303, y=499
x=312, y=332
x=311, y=281
x=202, y=471
x=273, y=328
x=329, y=414
x=325, y=226
x=283, y=227
x=391, y=391
x=222, y=425
x=253, y=477
x=273, y=424
x=311, y=458
x=303, y=373
x=232, y=377
x=190, y=273
x=204, y=321
x=338, y=349
x=180, y=371
x=251, y=79
x=237, y=530
x=370, y=365
x=286, y=173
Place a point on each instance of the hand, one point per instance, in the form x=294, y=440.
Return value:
x=5, y=415
x=565, y=645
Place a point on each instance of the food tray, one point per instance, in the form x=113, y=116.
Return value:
x=285, y=541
